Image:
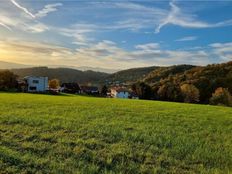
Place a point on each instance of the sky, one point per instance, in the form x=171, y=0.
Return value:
x=115, y=34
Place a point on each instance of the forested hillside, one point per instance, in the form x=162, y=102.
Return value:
x=166, y=82
x=164, y=72
x=130, y=75
x=63, y=74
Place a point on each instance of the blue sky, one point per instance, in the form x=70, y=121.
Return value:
x=115, y=34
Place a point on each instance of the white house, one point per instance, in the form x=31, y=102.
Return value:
x=36, y=84
x=120, y=93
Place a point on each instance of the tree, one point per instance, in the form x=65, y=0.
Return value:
x=190, y=93
x=8, y=80
x=104, y=90
x=221, y=96
x=143, y=90
x=170, y=92
x=54, y=84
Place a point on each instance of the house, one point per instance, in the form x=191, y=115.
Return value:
x=72, y=88
x=36, y=84
x=133, y=95
x=120, y=92
x=22, y=85
x=90, y=90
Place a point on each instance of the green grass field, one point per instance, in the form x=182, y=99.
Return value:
x=74, y=134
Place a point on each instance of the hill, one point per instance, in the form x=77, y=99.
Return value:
x=73, y=134
x=148, y=74
x=206, y=78
x=165, y=72
x=130, y=75
x=63, y=74
x=9, y=65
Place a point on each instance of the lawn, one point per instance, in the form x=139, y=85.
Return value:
x=75, y=134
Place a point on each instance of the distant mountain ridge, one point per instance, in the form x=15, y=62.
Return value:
x=63, y=74
x=11, y=65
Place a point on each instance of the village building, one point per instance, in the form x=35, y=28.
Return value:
x=133, y=95
x=36, y=84
x=92, y=90
x=119, y=92
x=72, y=88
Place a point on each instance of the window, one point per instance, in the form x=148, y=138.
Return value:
x=32, y=88
x=35, y=81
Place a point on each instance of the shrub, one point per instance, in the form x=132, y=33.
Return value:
x=221, y=96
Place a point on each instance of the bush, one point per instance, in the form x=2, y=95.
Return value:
x=221, y=96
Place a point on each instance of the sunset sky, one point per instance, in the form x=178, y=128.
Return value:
x=115, y=34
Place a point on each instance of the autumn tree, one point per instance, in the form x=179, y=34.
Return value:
x=54, y=84
x=170, y=92
x=221, y=96
x=143, y=90
x=190, y=93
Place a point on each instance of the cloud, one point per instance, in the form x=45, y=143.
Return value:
x=222, y=50
x=10, y=19
x=36, y=28
x=11, y=22
x=187, y=38
x=48, y=9
x=23, y=8
x=5, y=26
x=148, y=46
x=177, y=17
x=221, y=45
x=108, y=54
x=42, y=13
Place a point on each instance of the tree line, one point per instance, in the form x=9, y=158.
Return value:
x=211, y=84
x=206, y=85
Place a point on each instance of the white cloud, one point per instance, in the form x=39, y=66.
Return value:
x=177, y=17
x=48, y=9
x=23, y=8
x=221, y=45
x=107, y=54
x=14, y=20
x=36, y=28
x=148, y=46
x=222, y=50
x=42, y=13
x=79, y=43
x=5, y=26
x=187, y=38
x=11, y=23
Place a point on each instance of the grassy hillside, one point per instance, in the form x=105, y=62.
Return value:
x=63, y=74
x=71, y=134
